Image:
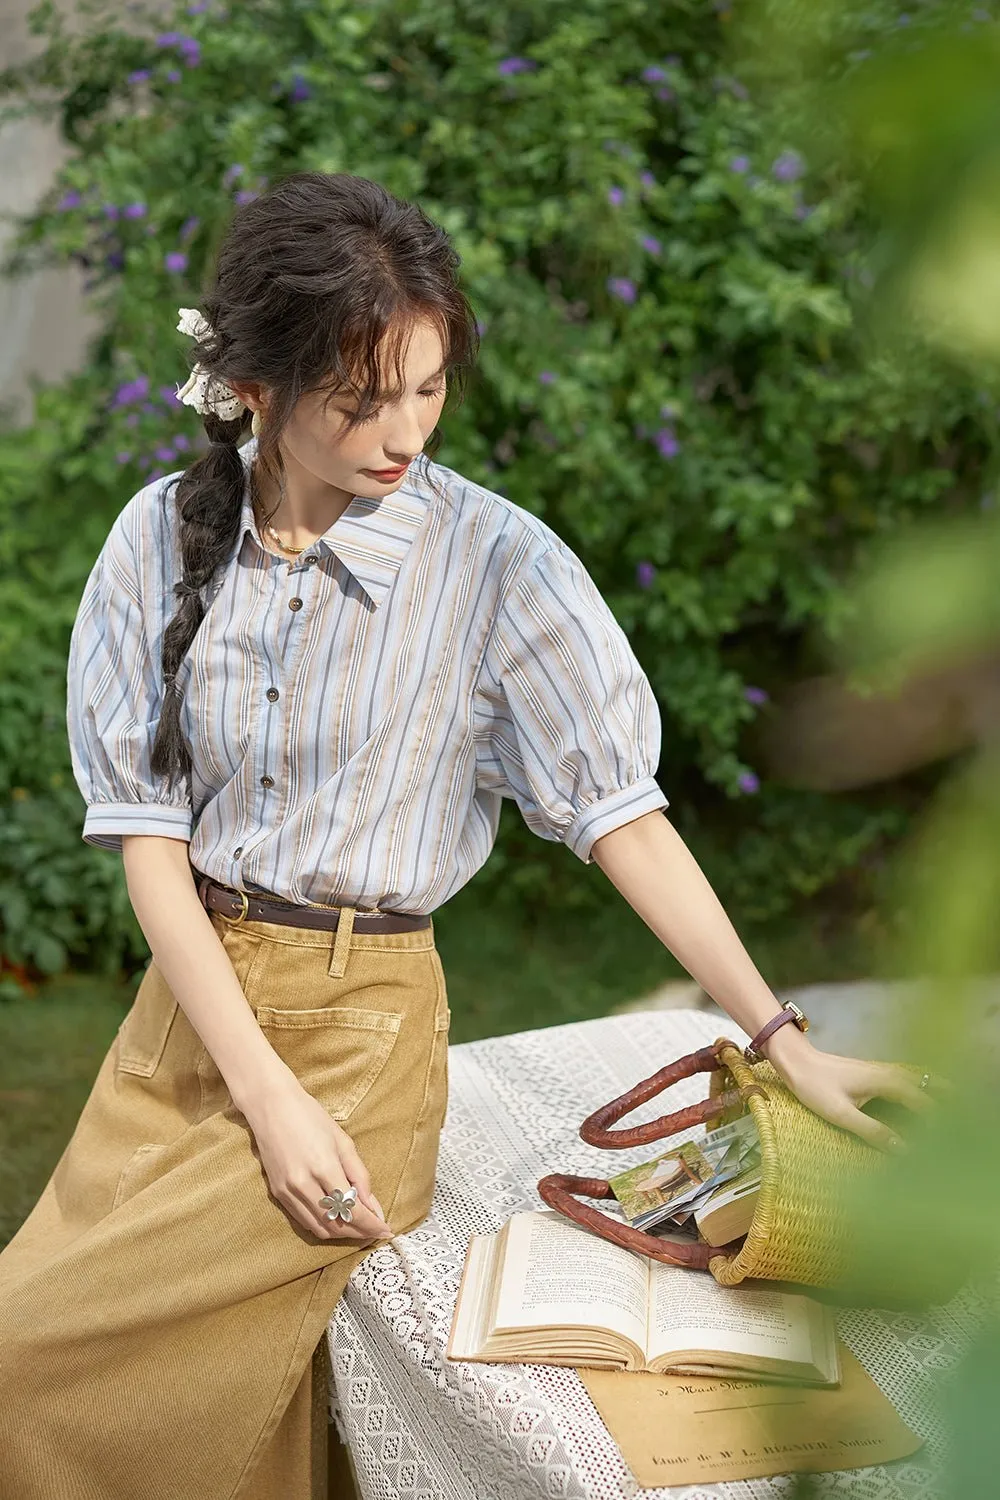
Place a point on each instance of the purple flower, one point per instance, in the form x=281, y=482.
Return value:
x=115, y=260
x=515, y=65
x=174, y=76
x=168, y=395
x=111, y=211
x=181, y=441
x=647, y=179
x=664, y=93
x=123, y=458
x=169, y=38
x=71, y=199
x=231, y=173
x=165, y=453
x=150, y=406
x=546, y=377
x=653, y=75
x=788, y=166
x=651, y=244
x=140, y=75
x=667, y=443
x=134, y=210
x=622, y=287
x=481, y=327
x=175, y=260
x=755, y=695
x=245, y=195
x=300, y=89
x=155, y=473
x=196, y=8
x=131, y=391
x=616, y=195
x=188, y=227
x=644, y=574
x=748, y=782
x=740, y=164
x=132, y=419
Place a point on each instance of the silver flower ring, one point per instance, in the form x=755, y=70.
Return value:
x=339, y=1205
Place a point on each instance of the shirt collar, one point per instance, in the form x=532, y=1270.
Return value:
x=371, y=537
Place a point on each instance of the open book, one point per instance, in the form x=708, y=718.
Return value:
x=545, y=1290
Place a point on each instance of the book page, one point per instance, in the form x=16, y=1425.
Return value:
x=558, y=1274
x=690, y=1310
x=469, y=1321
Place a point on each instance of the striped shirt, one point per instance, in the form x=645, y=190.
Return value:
x=356, y=714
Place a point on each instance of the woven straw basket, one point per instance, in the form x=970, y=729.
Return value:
x=802, y=1229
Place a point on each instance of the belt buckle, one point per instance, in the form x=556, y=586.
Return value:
x=235, y=921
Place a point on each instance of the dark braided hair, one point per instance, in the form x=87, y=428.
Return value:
x=312, y=276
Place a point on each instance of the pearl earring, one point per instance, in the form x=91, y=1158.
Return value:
x=255, y=424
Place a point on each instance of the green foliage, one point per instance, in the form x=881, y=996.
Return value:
x=674, y=373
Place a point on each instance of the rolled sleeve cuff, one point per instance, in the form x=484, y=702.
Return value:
x=106, y=822
x=610, y=812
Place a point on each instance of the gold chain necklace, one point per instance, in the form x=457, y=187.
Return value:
x=271, y=531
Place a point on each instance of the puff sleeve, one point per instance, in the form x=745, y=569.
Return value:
x=566, y=720
x=113, y=697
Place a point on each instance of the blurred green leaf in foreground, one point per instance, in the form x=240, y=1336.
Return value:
x=906, y=101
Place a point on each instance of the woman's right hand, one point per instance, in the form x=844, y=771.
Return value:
x=305, y=1154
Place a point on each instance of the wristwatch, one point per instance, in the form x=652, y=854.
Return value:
x=791, y=1012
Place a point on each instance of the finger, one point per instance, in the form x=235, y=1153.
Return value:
x=882, y=1137
x=307, y=1201
x=902, y=1086
x=353, y=1165
x=369, y=1222
x=358, y=1173
x=373, y=1204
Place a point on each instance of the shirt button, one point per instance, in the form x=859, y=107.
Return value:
x=238, y=852
x=267, y=781
x=272, y=693
x=295, y=604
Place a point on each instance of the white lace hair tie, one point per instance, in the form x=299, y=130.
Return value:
x=203, y=391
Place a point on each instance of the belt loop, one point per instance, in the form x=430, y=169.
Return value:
x=342, y=943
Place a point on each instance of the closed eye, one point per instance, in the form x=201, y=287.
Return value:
x=428, y=395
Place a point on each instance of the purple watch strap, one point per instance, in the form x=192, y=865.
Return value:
x=752, y=1051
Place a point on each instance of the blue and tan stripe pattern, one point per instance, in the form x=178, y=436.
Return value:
x=356, y=714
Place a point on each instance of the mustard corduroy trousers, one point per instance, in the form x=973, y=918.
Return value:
x=161, y=1316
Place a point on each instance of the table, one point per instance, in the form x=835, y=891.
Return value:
x=428, y=1428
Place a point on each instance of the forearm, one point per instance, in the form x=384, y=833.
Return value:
x=189, y=954
x=650, y=864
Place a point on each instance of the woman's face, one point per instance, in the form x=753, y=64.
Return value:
x=321, y=457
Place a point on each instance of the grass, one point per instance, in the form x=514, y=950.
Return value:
x=503, y=975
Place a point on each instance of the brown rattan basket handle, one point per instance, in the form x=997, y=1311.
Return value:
x=594, y=1128
x=557, y=1191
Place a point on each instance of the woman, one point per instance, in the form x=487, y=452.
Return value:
x=298, y=688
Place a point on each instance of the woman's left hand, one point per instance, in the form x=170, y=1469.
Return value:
x=835, y=1087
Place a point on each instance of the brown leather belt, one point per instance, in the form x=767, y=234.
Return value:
x=245, y=906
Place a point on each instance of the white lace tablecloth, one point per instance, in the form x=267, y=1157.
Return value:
x=427, y=1428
